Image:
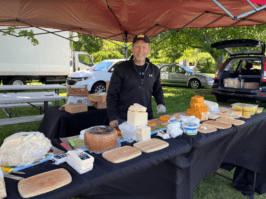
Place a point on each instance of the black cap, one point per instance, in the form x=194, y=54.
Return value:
x=143, y=37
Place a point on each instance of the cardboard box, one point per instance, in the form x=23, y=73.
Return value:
x=97, y=97
x=100, y=105
x=251, y=85
x=107, y=85
x=77, y=92
x=76, y=108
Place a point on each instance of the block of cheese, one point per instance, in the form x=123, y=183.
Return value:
x=138, y=108
x=137, y=118
x=143, y=133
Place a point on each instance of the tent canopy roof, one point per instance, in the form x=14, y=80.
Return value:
x=113, y=19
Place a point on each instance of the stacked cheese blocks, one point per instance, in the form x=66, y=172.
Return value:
x=79, y=160
x=138, y=117
x=197, y=108
x=98, y=99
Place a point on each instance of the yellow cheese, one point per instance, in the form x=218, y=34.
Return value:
x=137, y=118
x=144, y=133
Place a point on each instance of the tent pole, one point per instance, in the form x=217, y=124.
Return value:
x=126, y=43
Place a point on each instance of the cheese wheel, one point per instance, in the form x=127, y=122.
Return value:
x=100, y=138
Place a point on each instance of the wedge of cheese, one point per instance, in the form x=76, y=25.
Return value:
x=137, y=118
x=144, y=133
x=137, y=107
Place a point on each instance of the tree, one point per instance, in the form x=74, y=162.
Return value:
x=203, y=38
x=25, y=33
x=88, y=44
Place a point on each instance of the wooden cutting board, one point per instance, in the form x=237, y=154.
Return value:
x=121, y=154
x=218, y=125
x=44, y=182
x=206, y=129
x=231, y=121
x=151, y=145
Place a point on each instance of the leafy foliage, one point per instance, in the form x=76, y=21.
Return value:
x=28, y=34
x=88, y=44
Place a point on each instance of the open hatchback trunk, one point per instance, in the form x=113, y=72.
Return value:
x=243, y=75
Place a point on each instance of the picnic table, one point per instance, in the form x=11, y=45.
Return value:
x=7, y=99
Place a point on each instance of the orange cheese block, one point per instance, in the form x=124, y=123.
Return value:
x=164, y=118
x=176, y=116
x=151, y=123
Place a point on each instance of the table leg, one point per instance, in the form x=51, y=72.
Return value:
x=45, y=106
x=57, y=92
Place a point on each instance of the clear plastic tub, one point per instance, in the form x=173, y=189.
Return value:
x=237, y=106
x=246, y=114
x=259, y=110
x=250, y=107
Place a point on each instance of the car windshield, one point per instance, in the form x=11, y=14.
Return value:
x=187, y=69
x=101, y=66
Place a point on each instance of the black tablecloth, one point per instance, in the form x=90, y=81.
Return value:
x=173, y=172
x=57, y=124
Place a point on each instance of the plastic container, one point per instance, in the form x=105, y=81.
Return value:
x=259, y=110
x=250, y=107
x=237, y=106
x=246, y=114
x=190, y=128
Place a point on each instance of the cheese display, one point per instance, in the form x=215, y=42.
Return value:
x=136, y=115
x=44, y=182
x=76, y=108
x=143, y=133
x=100, y=138
x=24, y=148
x=198, y=108
x=121, y=154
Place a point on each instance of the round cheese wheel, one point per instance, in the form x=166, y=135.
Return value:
x=100, y=138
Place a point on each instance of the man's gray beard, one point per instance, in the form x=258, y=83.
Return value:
x=139, y=59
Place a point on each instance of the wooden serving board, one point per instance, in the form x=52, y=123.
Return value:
x=151, y=145
x=206, y=129
x=121, y=154
x=44, y=182
x=217, y=125
x=231, y=121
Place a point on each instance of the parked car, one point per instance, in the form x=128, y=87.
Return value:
x=173, y=74
x=95, y=78
x=241, y=75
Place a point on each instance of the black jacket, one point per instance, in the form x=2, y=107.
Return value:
x=126, y=88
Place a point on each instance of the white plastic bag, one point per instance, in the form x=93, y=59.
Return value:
x=128, y=131
x=24, y=148
x=211, y=105
x=174, y=129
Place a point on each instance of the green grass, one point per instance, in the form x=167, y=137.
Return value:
x=176, y=100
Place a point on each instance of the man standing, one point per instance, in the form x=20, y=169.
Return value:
x=134, y=81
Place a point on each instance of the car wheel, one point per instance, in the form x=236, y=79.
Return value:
x=17, y=81
x=194, y=83
x=98, y=87
x=221, y=98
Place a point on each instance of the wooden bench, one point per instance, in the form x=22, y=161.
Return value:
x=7, y=107
x=17, y=120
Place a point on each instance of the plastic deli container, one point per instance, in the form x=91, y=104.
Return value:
x=259, y=110
x=250, y=108
x=190, y=128
x=246, y=114
x=237, y=106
